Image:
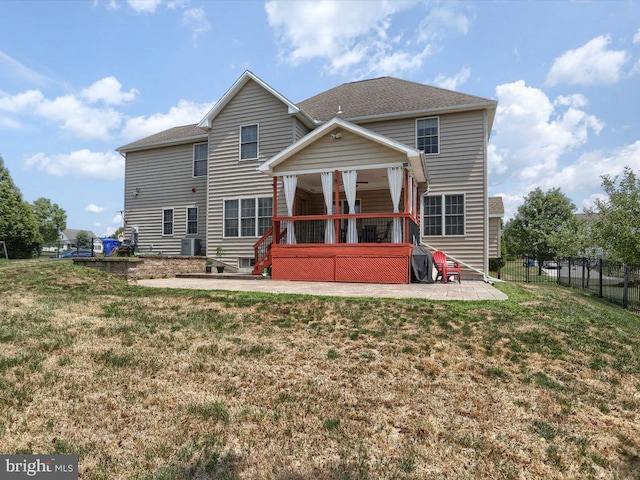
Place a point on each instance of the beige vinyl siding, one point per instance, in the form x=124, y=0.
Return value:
x=299, y=130
x=164, y=177
x=351, y=150
x=494, y=237
x=231, y=178
x=458, y=168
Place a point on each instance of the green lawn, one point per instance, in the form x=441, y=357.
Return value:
x=161, y=384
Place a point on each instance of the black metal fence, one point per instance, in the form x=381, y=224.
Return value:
x=616, y=282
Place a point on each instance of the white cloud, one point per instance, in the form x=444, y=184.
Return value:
x=109, y=91
x=586, y=173
x=441, y=20
x=92, y=208
x=110, y=4
x=6, y=122
x=534, y=138
x=13, y=69
x=117, y=220
x=452, y=83
x=71, y=113
x=356, y=37
x=511, y=203
x=496, y=161
x=590, y=201
x=97, y=224
x=185, y=113
x=195, y=19
x=532, y=132
x=144, y=6
x=636, y=37
x=590, y=64
x=81, y=163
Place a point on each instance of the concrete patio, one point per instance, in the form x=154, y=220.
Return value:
x=469, y=290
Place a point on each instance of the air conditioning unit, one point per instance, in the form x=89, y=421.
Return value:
x=190, y=246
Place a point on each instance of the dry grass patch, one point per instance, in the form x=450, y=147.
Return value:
x=148, y=383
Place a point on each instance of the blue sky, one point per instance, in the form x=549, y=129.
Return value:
x=80, y=78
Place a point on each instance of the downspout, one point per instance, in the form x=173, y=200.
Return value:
x=485, y=277
x=485, y=163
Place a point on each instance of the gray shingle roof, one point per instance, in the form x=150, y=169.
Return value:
x=385, y=95
x=72, y=233
x=172, y=135
x=496, y=207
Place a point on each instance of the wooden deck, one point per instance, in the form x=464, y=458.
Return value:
x=360, y=262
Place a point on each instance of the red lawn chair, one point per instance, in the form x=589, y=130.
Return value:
x=446, y=269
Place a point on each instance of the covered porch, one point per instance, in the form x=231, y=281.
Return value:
x=355, y=222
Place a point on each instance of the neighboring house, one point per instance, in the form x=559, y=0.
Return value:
x=337, y=187
x=68, y=239
x=496, y=214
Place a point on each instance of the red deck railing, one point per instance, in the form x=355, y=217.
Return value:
x=310, y=229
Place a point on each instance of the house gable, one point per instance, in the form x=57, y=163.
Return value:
x=247, y=76
x=341, y=145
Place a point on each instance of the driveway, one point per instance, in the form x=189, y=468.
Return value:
x=469, y=290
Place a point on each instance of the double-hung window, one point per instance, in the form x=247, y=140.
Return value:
x=265, y=212
x=443, y=215
x=428, y=135
x=167, y=221
x=247, y=217
x=249, y=142
x=200, y=154
x=192, y=220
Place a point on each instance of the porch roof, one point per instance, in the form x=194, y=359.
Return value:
x=415, y=158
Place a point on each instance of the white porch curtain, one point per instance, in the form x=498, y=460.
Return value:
x=327, y=190
x=349, y=180
x=290, y=184
x=396, y=176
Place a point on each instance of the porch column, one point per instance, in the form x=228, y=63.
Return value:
x=395, y=176
x=349, y=180
x=290, y=184
x=327, y=190
x=407, y=203
x=275, y=225
x=336, y=205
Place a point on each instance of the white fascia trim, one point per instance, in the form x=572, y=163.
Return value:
x=347, y=168
x=414, y=156
x=166, y=143
x=292, y=109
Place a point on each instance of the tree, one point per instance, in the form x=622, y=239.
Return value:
x=541, y=214
x=83, y=240
x=51, y=220
x=576, y=240
x=18, y=226
x=616, y=220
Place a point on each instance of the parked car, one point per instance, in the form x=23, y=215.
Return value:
x=74, y=253
x=530, y=262
x=550, y=264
